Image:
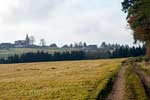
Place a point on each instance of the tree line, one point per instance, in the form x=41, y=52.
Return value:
x=116, y=51
x=126, y=51
x=41, y=56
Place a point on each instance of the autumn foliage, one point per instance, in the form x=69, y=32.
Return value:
x=138, y=19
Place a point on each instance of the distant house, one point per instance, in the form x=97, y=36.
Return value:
x=22, y=43
x=91, y=47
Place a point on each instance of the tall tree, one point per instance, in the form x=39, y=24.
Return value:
x=32, y=40
x=42, y=42
x=139, y=20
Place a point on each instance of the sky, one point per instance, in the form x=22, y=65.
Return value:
x=64, y=21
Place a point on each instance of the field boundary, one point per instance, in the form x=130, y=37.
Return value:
x=107, y=89
x=102, y=94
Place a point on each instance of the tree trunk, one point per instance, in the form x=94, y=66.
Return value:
x=147, y=50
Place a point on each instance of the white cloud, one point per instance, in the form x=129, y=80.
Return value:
x=64, y=21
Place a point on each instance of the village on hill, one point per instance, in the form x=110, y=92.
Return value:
x=28, y=42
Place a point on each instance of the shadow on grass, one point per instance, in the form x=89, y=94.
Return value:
x=107, y=89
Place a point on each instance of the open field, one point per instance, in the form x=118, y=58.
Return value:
x=75, y=80
x=13, y=51
x=72, y=80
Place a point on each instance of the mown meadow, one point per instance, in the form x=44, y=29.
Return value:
x=68, y=80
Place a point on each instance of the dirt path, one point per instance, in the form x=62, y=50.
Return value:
x=145, y=79
x=118, y=91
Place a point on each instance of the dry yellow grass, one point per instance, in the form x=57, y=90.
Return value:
x=145, y=68
x=70, y=80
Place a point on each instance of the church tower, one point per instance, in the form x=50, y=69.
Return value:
x=27, y=40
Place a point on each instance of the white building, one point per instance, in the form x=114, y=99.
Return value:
x=23, y=43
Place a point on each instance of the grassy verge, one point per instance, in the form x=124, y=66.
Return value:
x=107, y=88
x=145, y=67
x=103, y=86
x=134, y=87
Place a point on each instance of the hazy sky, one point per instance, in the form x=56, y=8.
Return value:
x=64, y=21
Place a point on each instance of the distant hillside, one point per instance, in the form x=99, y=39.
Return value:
x=13, y=51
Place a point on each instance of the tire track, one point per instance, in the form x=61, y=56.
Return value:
x=118, y=90
x=145, y=79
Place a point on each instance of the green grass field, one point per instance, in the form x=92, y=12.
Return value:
x=69, y=80
x=13, y=51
